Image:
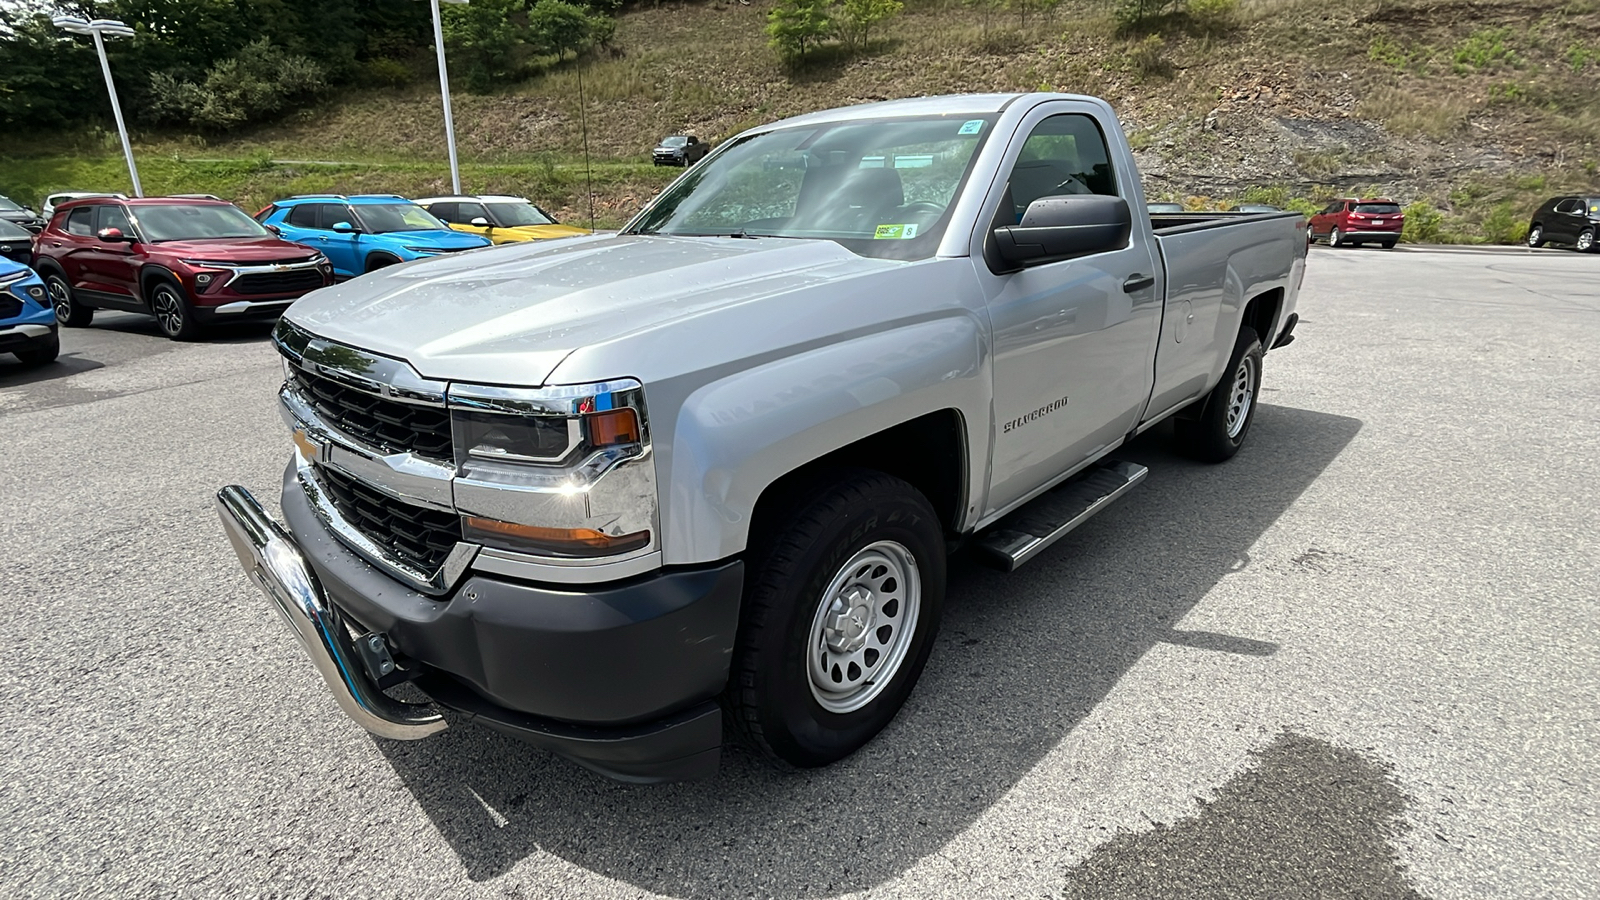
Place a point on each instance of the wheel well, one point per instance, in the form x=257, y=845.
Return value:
x=148, y=279
x=1261, y=314
x=388, y=258
x=929, y=452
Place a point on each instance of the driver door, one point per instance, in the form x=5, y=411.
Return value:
x=1074, y=340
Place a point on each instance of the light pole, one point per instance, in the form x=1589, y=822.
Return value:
x=99, y=29
x=444, y=91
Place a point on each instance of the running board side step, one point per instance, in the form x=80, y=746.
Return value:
x=1023, y=534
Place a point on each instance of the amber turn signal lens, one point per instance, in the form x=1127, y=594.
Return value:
x=614, y=426
x=559, y=541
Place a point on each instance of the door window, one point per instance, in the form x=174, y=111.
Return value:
x=114, y=217
x=469, y=211
x=1063, y=155
x=81, y=221
x=446, y=212
x=1568, y=205
x=331, y=214
x=304, y=215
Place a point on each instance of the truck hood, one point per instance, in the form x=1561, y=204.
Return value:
x=238, y=250
x=511, y=314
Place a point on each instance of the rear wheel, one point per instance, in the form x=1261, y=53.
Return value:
x=1585, y=241
x=1536, y=236
x=840, y=610
x=173, y=313
x=1335, y=239
x=1220, y=430
x=69, y=311
x=41, y=352
x=1388, y=245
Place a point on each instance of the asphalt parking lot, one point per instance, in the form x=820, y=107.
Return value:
x=1359, y=660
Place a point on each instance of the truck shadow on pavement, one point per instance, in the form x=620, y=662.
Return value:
x=1021, y=660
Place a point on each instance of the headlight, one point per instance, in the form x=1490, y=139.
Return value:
x=424, y=249
x=8, y=280
x=560, y=472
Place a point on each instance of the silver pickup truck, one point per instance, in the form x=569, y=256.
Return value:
x=611, y=494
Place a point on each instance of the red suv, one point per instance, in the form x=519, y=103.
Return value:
x=187, y=262
x=1351, y=223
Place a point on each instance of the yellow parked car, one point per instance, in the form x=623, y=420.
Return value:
x=503, y=220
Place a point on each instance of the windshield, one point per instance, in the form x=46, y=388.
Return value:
x=881, y=188
x=380, y=218
x=175, y=222
x=516, y=215
x=8, y=205
x=1377, y=209
x=677, y=141
x=11, y=231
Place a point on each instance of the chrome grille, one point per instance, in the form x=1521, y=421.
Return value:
x=422, y=537
x=387, y=425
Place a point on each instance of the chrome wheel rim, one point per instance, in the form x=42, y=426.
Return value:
x=1534, y=236
x=168, y=309
x=863, y=627
x=1333, y=238
x=1311, y=236
x=1241, y=397
x=60, y=300
x=1586, y=240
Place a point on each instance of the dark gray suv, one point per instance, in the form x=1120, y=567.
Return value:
x=1573, y=221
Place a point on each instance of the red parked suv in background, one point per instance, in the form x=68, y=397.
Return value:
x=1351, y=223
x=187, y=262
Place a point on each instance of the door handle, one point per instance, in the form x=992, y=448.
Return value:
x=1137, y=282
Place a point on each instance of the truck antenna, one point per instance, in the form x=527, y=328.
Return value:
x=583, y=120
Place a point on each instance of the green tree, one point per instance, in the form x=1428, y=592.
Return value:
x=855, y=19
x=795, y=25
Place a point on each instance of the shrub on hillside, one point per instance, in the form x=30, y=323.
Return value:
x=259, y=83
x=495, y=41
x=855, y=19
x=1423, y=223
x=794, y=26
x=1137, y=14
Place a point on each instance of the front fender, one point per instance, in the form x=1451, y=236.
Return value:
x=734, y=437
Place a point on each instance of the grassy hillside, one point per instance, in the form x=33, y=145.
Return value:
x=1477, y=108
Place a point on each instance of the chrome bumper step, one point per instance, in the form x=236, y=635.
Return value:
x=274, y=563
x=1023, y=534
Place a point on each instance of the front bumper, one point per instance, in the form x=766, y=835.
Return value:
x=24, y=337
x=619, y=678
x=244, y=310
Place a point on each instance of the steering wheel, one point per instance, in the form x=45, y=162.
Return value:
x=923, y=206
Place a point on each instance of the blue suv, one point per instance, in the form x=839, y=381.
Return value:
x=361, y=233
x=27, y=323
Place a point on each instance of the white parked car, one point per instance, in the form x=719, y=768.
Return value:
x=55, y=200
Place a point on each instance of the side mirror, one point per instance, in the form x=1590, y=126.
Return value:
x=274, y=229
x=480, y=222
x=114, y=235
x=343, y=227
x=1057, y=228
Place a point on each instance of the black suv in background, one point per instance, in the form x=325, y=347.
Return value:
x=1574, y=221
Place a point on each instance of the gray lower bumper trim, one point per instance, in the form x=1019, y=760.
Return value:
x=33, y=331
x=273, y=561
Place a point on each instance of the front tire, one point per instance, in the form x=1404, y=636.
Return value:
x=173, y=313
x=1585, y=241
x=69, y=311
x=1219, y=431
x=42, y=352
x=840, y=611
x=1536, y=236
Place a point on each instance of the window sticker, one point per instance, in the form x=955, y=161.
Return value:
x=895, y=232
x=971, y=126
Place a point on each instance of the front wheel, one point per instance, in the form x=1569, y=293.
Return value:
x=1536, y=236
x=1224, y=422
x=1585, y=241
x=1311, y=236
x=173, y=313
x=69, y=311
x=42, y=352
x=840, y=611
